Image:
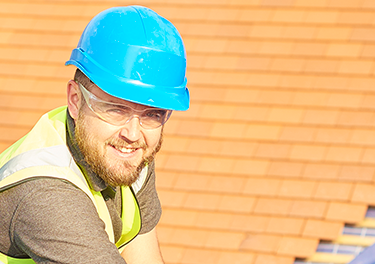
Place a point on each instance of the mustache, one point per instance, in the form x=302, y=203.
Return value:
x=123, y=144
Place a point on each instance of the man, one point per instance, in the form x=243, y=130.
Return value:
x=80, y=186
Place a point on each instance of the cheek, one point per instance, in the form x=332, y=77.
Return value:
x=97, y=131
x=152, y=138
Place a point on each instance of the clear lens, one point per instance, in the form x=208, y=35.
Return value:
x=119, y=114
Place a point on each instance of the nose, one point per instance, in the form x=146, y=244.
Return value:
x=132, y=129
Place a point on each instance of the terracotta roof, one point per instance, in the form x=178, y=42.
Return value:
x=278, y=149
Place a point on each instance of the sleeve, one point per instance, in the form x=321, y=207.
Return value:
x=149, y=202
x=56, y=222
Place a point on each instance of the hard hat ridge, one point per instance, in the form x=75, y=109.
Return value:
x=134, y=54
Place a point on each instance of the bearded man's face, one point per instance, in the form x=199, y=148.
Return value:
x=116, y=153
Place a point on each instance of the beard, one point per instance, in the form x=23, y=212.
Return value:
x=115, y=173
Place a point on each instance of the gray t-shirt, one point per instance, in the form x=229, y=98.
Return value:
x=52, y=221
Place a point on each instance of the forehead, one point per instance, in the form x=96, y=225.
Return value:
x=99, y=93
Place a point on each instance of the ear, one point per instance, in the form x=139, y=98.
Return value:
x=74, y=98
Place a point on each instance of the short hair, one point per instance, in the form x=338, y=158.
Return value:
x=80, y=77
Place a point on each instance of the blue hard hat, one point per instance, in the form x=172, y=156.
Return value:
x=134, y=54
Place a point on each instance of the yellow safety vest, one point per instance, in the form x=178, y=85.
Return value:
x=43, y=153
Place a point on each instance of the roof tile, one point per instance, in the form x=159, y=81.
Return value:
x=238, y=148
x=199, y=256
x=356, y=67
x=287, y=15
x=321, y=66
x=308, y=152
x=250, y=167
x=194, y=181
x=184, y=163
x=344, y=50
x=228, y=130
x=189, y=237
x=298, y=134
x=179, y=217
x=261, y=243
x=364, y=193
x=357, y=173
x=309, y=49
x=10, y=135
x=333, y=191
x=288, y=65
x=249, y=223
x=333, y=135
x=275, y=48
x=296, y=246
x=282, y=3
x=272, y=259
x=266, y=31
x=363, y=34
x=286, y=115
x=269, y=206
x=304, y=32
x=202, y=201
x=262, y=186
x=253, y=14
x=241, y=96
x=285, y=226
x=226, y=184
x=177, y=144
x=344, y=4
x=285, y=169
x=297, y=188
x=224, y=240
x=368, y=156
x=216, y=165
x=321, y=171
x=214, y=220
x=334, y=33
x=368, y=51
x=327, y=117
x=248, y=46
x=172, y=199
x=344, y=154
x=172, y=253
x=322, y=17
x=198, y=128
x=350, y=213
x=275, y=97
x=267, y=132
x=237, y=204
x=308, y=208
x=350, y=118
x=273, y=150
x=334, y=82
x=235, y=258
x=322, y=229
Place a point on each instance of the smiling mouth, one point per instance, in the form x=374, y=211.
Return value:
x=124, y=150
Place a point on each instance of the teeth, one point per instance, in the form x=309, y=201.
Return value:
x=125, y=150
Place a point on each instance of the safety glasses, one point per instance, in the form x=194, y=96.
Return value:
x=120, y=114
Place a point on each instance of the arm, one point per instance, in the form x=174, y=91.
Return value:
x=144, y=249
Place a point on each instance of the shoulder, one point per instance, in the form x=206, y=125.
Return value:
x=46, y=198
x=49, y=213
x=38, y=204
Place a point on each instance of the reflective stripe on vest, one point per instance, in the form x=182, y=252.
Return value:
x=43, y=153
